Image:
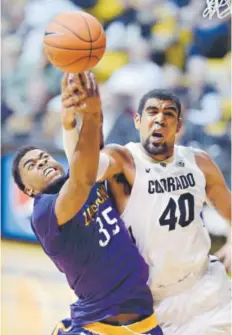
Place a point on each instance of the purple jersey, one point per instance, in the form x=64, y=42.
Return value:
x=95, y=252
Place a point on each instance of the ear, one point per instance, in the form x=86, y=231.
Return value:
x=137, y=121
x=179, y=125
x=28, y=191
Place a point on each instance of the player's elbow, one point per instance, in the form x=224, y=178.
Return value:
x=82, y=185
x=89, y=179
x=82, y=182
x=83, y=174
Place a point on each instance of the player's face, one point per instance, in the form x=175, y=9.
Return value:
x=158, y=126
x=37, y=170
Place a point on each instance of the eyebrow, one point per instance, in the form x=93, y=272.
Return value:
x=31, y=160
x=172, y=107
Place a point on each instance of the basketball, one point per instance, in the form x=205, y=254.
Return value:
x=74, y=41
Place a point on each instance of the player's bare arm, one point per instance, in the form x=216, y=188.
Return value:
x=70, y=119
x=219, y=196
x=84, y=161
x=120, y=162
x=217, y=191
x=119, y=171
x=114, y=159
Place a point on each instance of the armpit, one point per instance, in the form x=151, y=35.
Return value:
x=121, y=179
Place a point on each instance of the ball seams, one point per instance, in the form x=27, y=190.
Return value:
x=80, y=31
x=90, y=49
x=95, y=40
x=62, y=48
x=73, y=32
x=76, y=61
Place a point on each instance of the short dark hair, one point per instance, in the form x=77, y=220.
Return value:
x=15, y=166
x=162, y=95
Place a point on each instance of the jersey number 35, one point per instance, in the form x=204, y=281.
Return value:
x=106, y=236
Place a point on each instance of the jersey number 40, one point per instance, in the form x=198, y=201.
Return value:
x=186, y=209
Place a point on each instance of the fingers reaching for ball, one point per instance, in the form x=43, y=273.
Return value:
x=83, y=85
x=92, y=85
x=72, y=101
x=80, y=93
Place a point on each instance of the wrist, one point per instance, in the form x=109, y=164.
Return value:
x=95, y=117
x=70, y=124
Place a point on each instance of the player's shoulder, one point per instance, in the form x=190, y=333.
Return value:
x=43, y=203
x=201, y=156
x=118, y=151
x=196, y=152
x=198, y=156
x=44, y=198
x=114, y=147
x=204, y=162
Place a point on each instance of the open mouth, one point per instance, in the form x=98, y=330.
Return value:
x=157, y=135
x=48, y=170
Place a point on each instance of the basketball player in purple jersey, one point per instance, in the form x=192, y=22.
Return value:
x=79, y=229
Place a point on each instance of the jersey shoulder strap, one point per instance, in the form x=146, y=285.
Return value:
x=136, y=152
x=184, y=153
x=132, y=147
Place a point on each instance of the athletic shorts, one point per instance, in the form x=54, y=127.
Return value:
x=148, y=326
x=202, y=309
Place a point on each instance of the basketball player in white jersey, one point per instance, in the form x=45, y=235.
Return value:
x=160, y=189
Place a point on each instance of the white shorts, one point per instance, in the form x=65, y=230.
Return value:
x=202, y=309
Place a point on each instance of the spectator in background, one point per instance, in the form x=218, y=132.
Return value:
x=202, y=105
x=140, y=74
x=211, y=36
x=38, y=14
x=86, y=4
x=10, y=53
x=51, y=127
x=29, y=80
x=201, y=99
x=123, y=89
x=124, y=28
x=181, y=3
x=137, y=21
x=12, y=16
x=118, y=115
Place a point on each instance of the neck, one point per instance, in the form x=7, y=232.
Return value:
x=164, y=158
x=55, y=186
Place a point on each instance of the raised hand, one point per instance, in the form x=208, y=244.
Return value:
x=79, y=95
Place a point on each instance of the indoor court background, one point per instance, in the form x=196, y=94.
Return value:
x=150, y=44
x=35, y=295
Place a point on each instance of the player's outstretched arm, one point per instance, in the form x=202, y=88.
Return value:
x=70, y=137
x=219, y=196
x=112, y=158
x=70, y=128
x=216, y=189
x=116, y=159
x=70, y=119
x=84, y=161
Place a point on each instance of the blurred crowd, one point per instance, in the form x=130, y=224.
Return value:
x=150, y=44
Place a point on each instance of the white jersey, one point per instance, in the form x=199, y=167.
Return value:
x=165, y=215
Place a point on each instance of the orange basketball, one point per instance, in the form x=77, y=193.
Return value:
x=74, y=41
